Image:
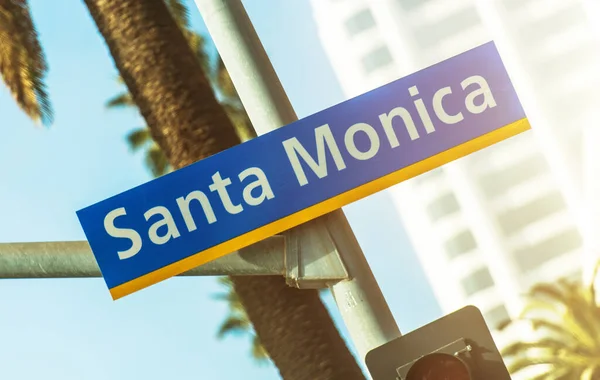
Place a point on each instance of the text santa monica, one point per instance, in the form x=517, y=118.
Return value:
x=296, y=168
x=296, y=153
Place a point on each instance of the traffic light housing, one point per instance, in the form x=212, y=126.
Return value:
x=458, y=346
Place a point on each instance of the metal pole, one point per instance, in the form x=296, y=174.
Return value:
x=74, y=259
x=360, y=301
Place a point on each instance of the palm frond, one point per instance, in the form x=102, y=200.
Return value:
x=592, y=285
x=240, y=120
x=120, y=80
x=548, y=292
x=229, y=294
x=258, y=350
x=547, y=344
x=541, y=376
x=220, y=296
x=536, y=307
x=582, y=312
x=526, y=363
x=197, y=43
x=231, y=297
x=121, y=100
x=180, y=13
x=567, y=321
x=592, y=372
x=224, y=82
x=233, y=325
x=225, y=281
x=157, y=161
x=561, y=320
x=505, y=324
x=22, y=62
x=138, y=138
x=553, y=328
x=565, y=373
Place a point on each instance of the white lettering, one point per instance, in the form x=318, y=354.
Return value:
x=254, y=187
x=386, y=122
x=261, y=181
x=351, y=145
x=219, y=185
x=484, y=89
x=184, y=208
x=323, y=136
x=439, y=110
x=425, y=118
x=167, y=220
x=125, y=233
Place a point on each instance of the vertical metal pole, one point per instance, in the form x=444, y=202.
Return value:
x=360, y=301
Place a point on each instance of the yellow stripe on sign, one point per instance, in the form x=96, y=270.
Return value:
x=320, y=209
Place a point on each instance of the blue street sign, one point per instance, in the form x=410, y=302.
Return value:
x=303, y=170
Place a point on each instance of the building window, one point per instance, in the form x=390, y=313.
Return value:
x=409, y=5
x=360, y=22
x=443, y=206
x=461, y=243
x=433, y=174
x=555, y=20
x=516, y=219
x=498, y=182
x=477, y=281
x=556, y=245
x=497, y=317
x=516, y=4
x=461, y=20
x=377, y=59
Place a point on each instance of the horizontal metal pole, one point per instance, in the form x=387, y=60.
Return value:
x=74, y=259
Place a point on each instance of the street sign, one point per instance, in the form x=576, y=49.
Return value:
x=458, y=346
x=303, y=170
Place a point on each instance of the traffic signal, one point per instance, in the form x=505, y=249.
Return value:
x=458, y=346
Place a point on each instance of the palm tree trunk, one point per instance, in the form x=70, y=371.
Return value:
x=178, y=104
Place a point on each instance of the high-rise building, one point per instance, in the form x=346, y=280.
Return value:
x=487, y=226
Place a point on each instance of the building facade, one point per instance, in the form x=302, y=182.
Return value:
x=487, y=226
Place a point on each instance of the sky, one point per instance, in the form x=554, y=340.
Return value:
x=70, y=329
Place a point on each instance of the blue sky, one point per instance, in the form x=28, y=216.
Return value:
x=71, y=329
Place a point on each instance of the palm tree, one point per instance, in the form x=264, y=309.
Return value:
x=23, y=66
x=175, y=97
x=140, y=138
x=237, y=322
x=156, y=161
x=22, y=62
x=565, y=318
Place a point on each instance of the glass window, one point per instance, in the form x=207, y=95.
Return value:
x=443, y=206
x=409, y=5
x=575, y=155
x=376, y=59
x=532, y=257
x=461, y=243
x=360, y=22
x=432, y=174
x=496, y=317
x=516, y=219
x=461, y=20
x=516, y=4
x=497, y=182
x=556, y=20
x=477, y=281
